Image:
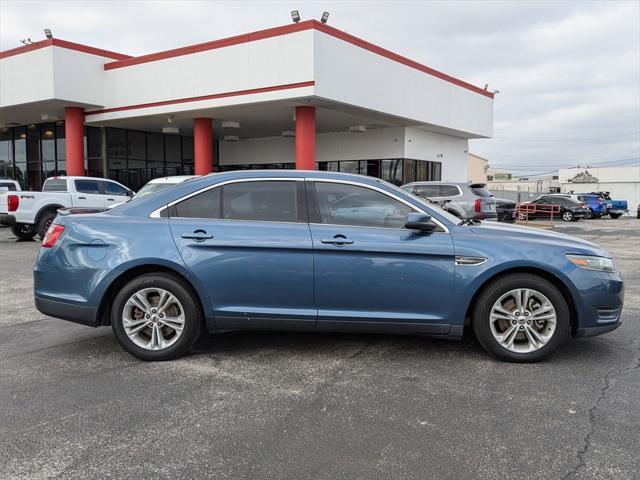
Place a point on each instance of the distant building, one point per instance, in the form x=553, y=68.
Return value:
x=477, y=168
x=623, y=183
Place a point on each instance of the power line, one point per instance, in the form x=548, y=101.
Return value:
x=586, y=164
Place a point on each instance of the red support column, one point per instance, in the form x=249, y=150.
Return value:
x=74, y=133
x=203, y=145
x=306, y=138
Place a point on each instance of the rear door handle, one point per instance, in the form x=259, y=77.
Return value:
x=337, y=240
x=197, y=235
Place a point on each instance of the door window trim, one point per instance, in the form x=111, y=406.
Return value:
x=158, y=213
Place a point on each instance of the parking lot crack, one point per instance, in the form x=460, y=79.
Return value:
x=592, y=418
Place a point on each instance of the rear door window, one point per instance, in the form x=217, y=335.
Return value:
x=271, y=201
x=449, y=191
x=87, y=186
x=428, y=191
x=9, y=186
x=203, y=205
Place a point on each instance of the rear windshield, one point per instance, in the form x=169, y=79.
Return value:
x=55, y=185
x=152, y=187
x=480, y=191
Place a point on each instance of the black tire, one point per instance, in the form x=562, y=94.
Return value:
x=192, y=313
x=44, y=222
x=615, y=215
x=597, y=215
x=23, y=231
x=493, y=291
x=567, y=216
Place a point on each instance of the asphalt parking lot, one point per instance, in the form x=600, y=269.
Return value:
x=73, y=404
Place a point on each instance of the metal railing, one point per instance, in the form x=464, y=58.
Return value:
x=524, y=211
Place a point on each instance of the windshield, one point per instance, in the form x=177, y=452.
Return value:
x=152, y=187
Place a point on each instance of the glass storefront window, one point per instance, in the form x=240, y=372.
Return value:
x=392, y=171
x=173, y=155
x=6, y=153
x=48, y=142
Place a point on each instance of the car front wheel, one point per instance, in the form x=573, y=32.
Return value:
x=156, y=317
x=521, y=318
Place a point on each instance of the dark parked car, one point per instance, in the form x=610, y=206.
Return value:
x=506, y=210
x=568, y=208
x=318, y=252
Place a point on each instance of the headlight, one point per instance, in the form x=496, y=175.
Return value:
x=589, y=262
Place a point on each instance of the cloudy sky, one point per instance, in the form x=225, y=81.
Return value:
x=568, y=72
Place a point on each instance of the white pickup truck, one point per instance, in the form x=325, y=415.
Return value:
x=30, y=213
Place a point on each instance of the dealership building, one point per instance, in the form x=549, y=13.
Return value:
x=304, y=95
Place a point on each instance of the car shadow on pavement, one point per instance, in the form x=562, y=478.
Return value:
x=397, y=346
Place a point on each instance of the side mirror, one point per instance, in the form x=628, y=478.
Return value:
x=420, y=221
x=130, y=193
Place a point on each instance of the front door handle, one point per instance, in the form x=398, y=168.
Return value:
x=197, y=235
x=337, y=240
x=111, y=200
x=82, y=198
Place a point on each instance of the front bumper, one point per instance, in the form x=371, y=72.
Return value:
x=68, y=311
x=593, y=331
x=7, y=219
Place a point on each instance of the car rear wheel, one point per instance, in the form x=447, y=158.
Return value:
x=521, y=318
x=615, y=215
x=567, y=216
x=23, y=231
x=44, y=223
x=156, y=317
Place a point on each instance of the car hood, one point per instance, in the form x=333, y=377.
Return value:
x=519, y=233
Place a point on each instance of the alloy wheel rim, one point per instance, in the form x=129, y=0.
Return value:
x=153, y=318
x=566, y=216
x=523, y=320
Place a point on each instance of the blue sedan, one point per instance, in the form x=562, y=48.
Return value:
x=319, y=252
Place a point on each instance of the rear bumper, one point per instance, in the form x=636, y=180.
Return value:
x=68, y=311
x=7, y=219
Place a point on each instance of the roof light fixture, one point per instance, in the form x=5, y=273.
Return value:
x=295, y=16
x=325, y=17
x=230, y=124
x=231, y=138
x=48, y=34
x=288, y=133
x=357, y=129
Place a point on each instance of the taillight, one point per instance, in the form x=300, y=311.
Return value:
x=13, y=201
x=477, y=205
x=584, y=205
x=52, y=235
